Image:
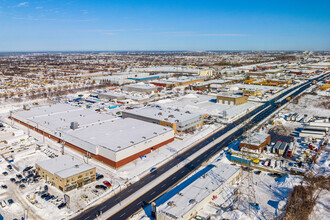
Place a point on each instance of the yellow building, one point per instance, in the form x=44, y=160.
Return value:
x=250, y=92
x=66, y=173
x=232, y=99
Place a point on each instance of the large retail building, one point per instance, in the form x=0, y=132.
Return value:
x=114, y=141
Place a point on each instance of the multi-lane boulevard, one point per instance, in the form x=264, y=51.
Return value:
x=255, y=117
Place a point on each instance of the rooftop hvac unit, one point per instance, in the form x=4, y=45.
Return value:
x=74, y=125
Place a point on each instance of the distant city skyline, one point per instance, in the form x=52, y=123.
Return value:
x=140, y=25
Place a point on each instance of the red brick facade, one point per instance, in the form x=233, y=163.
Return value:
x=99, y=157
x=260, y=147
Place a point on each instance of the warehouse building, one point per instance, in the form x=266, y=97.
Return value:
x=111, y=96
x=143, y=88
x=66, y=173
x=186, y=203
x=252, y=92
x=176, y=119
x=257, y=141
x=232, y=99
x=114, y=141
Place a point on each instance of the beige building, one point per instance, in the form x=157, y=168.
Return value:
x=66, y=173
x=252, y=92
x=232, y=99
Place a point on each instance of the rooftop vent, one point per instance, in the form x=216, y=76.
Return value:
x=74, y=125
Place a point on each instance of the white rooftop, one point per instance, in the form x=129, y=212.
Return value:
x=198, y=190
x=164, y=114
x=255, y=139
x=64, y=166
x=118, y=134
x=60, y=116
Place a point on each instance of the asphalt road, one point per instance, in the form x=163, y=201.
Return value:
x=149, y=196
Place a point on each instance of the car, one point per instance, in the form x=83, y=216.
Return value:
x=13, y=180
x=24, y=180
x=10, y=201
x=5, y=173
x=4, y=186
x=46, y=188
x=44, y=195
x=153, y=169
x=9, y=167
x=29, y=176
x=19, y=176
x=48, y=198
x=95, y=191
x=36, y=180
x=62, y=205
x=41, y=193
x=107, y=183
x=257, y=172
x=100, y=187
x=144, y=204
x=22, y=186
x=27, y=168
x=17, y=182
x=99, y=176
x=278, y=175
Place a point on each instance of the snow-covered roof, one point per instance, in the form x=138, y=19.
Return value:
x=256, y=139
x=198, y=190
x=60, y=116
x=164, y=114
x=64, y=166
x=119, y=134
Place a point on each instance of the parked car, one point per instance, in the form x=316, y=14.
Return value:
x=19, y=176
x=100, y=187
x=99, y=176
x=153, y=169
x=13, y=180
x=44, y=195
x=275, y=175
x=22, y=186
x=62, y=205
x=10, y=167
x=48, y=197
x=29, y=176
x=27, y=168
x=107, y=183
x=5, y=173
x=24, y=180
x=17, y=182
x=10, y=201
x=46, y=188
x=4, y=186
x=257, y=172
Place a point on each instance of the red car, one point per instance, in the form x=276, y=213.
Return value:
x=107, y=183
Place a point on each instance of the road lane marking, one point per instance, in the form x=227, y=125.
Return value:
x=123, y=214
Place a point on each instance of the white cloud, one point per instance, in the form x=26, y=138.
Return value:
x=39, y=7
x=109, y=34
x=23, y=4
x=193, y=34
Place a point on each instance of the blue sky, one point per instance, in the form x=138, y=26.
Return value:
x=44, y=25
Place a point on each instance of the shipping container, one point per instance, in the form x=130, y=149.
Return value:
x=240, y=160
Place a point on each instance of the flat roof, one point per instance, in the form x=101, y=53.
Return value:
x=198, y=190
x=256, y=139
x=64, y=166
x=60, y=116
x=119, y=134
x=164, y=114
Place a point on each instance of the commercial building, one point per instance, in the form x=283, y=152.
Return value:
x=143, y=88
x=182, y=81
x=114, y=141
x=66, y=173
x=186, y=203
x=257, y=141
x=176, y=119
x=232, y=99
x=112, y=96
x=252, y=92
